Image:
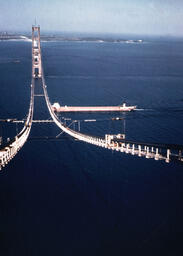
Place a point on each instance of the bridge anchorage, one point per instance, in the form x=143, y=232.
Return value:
x=166, y=152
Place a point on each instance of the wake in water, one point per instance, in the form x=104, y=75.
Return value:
x=143, y=109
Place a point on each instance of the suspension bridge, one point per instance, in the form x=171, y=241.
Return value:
x=117, y=142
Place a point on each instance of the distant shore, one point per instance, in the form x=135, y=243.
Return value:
x=7, y=37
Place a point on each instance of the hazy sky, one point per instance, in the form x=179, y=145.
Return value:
x=117, y=16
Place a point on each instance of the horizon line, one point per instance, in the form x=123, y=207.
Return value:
x=92, y=33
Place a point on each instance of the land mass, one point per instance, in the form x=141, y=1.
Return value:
x=6, y=36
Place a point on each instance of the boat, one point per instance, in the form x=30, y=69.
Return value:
x=57, y=108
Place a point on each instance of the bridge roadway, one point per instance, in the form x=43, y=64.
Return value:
x=10, y=149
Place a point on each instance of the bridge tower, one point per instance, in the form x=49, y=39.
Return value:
x=36, y=52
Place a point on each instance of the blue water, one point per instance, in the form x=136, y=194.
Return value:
x=64, y=197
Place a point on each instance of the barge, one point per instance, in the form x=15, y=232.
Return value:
x=57, y=108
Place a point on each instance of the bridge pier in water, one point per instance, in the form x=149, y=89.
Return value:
x=158, y=152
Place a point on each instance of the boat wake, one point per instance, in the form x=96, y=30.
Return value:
x=144, y=109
